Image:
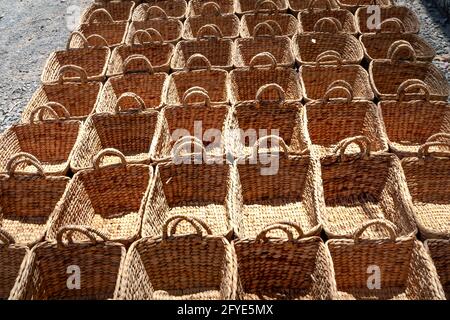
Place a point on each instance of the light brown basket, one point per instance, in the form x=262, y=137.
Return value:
x=195, y=6
x=180, y=267
x=264, y=39
x=408, y=18
x=109, y=198
x=173, y=8
x=353, y=5
x=28, y=200
x=245, y=82
x=286, y=24
x=307, y=19
x=118, y=9
x=427, y=176
x=325, y=38
x=260, y=199
x=227, y=23
x=361, y=187
x=12, y=260
x=48, y=270
x=337, y=116
x=376, y=45
x=439, y=250
x=284, y=268
x=198, y=73
x=249, y=6
x=50, y=140
x=210, y=44
x=412, y=118
x=130, y=131
x=101, y=24
x=170, y=29
x=386, y=76
x=149, y=86
x=79, y=98
x=296, y=6
x=154, y=49
x=194, y=186
x=256, y=119
x=316, y=79
x=401, y=267
x=80, y=64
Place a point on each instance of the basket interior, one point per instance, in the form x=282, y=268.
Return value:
x=228, y=24
x=119, y=11
x=279, y=47
x=287, y=22
x=158, y=55
x=11, y=259
x=308, y=19
x=405, y=15
x=112, y=32
x=218, y=52
x=440, y=253
x=92, y=60
x=170, y=29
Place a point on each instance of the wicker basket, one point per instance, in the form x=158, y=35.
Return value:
x=337, y=116
x=198, y=73
x=195, y=6
x=170, y=29
x=250, y=6
x=191, y=185
x=264, y=39
x=130, y=131
x=109, y=198
x=387, y=75
x=408, y=18
x=316, y=79
x=427, y=176
x=155, y=50
x=48, y=270
x=173, y=8
x=259, y=199
x=308, y=19
x=101, y=24
x=149, y=86
x=28, y=200
x=210, y=44
x=79, y=99
x=405, y=270
x=326, y=36
x=81, y=64
x=180, y=267
x=353, y=5
x=296, y=6
x=286, y=23
x=119, y=10
x=259, y=118
x=409, y=123
x=284, y=269
x=439, y=250
x=51, y=141
x=361, y=187
x=12, y=259
x=245, y=82
x=228, y=24
x=376, y=45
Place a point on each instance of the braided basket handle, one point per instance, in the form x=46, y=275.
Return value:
x=263, y=29
x=328, y=24
x=211, y=8
x=149, y=33
x=271, y=87
x=155, y=12
x=100, y=15
x=263, y=56
x=50, y=108
x=437, y=136
x=6, y=238
x=278, y=140
x=413, y=85
x=386, y=224
x=202, y=62
x=176, y=219
x=196, y=92
x=329, y=56
x=188, y=141
x=281, y=226
x=82, y=75
x=98, y=38
x=64, y=236
x=424, y=150
x=130, y=95
x=339, y=86
x=275, y=26
x=401, y=50
x=271, y=6
x=26, y=158
x=391, y=25
x=137, y=57
x=209, y=31
x=362, y=141
x=79, y=35
x=108, y=152
x=312, y=5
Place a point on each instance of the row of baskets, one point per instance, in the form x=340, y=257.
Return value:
x=203, y=266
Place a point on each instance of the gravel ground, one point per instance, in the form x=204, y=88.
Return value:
x=31, y=29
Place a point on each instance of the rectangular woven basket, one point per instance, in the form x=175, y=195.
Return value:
x=195, y=6
x=353, y=5
x=308, y=19
x=383, y=269
x=295, y=6
x=193, y=266
x=119, y=10
x=48, y=271
x=250, y=6
x=288, y=268
x=173, y=9
x=439, y=250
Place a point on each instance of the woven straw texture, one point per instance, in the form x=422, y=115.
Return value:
x=109, y=198
x=195, y=6
x=408, y=18
x=250, y=6
x=45, y=276
x=345, y=21
x=439, y=250
x=173, y=8
x=353, y=5
x=296, y=6
x=362, y=187
x=406, y=271
x=194, y=266
x=284, y=268
x=119, y=10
